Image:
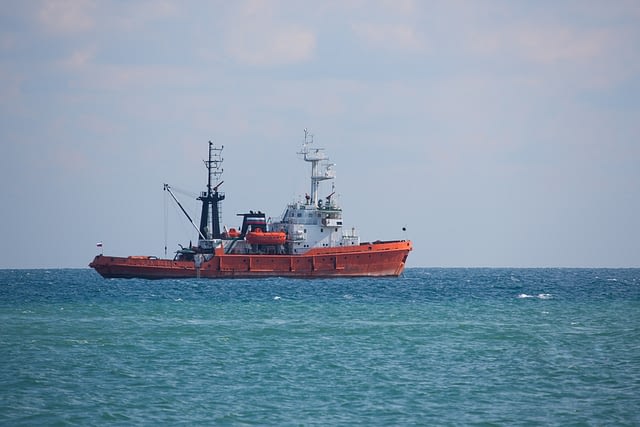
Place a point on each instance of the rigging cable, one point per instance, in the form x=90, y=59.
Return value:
x=168, y=188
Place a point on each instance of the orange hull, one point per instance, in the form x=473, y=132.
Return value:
x=366, y=259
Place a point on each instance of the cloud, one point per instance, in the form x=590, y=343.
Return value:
x=140, y=77
x=79, y=59
x=67, y=16
x=133, y=16
x=386, y=24
x=543, y=44
x=554, y=52
x=389, y=36
x=256, y=37
x=271, y=46
x=383, y=8
x=559, y=44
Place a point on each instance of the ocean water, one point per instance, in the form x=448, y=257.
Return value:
x=434, y=347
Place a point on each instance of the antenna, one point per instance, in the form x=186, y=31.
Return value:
x=316, y=157
x=214, y=166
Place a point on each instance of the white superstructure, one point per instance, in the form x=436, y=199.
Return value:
x=315, y=222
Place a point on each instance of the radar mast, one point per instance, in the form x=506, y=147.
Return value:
x=321, y=169
x=211, y=197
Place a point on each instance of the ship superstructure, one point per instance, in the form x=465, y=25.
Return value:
x=315, y=222
x=309, y=240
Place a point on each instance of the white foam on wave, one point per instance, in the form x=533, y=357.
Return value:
x=539, y=296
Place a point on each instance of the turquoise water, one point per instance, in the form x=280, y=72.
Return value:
x=435, y=347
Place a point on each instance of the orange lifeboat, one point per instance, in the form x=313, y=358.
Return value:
x=260, y=237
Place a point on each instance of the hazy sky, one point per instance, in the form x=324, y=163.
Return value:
x=499, y=133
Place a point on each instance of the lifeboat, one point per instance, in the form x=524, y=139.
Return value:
x=259, y=237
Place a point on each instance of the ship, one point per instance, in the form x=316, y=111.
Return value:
x=307, y=241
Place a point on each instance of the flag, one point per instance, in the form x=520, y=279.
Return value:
x=99, y=244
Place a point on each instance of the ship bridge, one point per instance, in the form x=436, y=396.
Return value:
x=315, y=222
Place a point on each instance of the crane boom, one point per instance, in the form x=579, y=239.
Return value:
x=167, y=188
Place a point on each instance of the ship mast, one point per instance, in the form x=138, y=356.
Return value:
x=316, y=157
x=211, y=197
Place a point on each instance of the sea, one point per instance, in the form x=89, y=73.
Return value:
x=436, y=346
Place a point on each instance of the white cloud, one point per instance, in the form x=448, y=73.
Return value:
x=132, y=16
x=557, y=44
x=131, y=78
x=256, y=37
x=389, y=36
x=271, y=45
x=383, y=8
x=67, y=16
x=386, y=24
x=543, y=44
x=406, y=7
x=79, y=58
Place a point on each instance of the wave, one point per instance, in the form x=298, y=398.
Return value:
x=539, y=296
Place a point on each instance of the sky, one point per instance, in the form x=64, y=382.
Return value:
x=497, y=133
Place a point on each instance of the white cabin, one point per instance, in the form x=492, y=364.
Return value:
x=315, y=222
